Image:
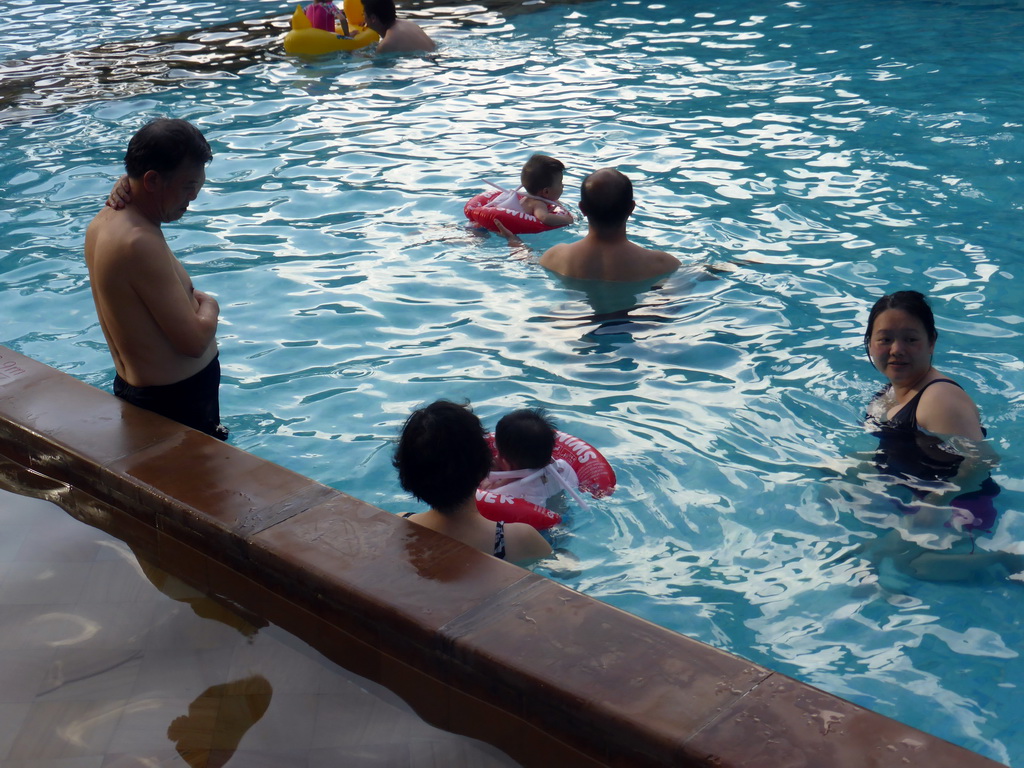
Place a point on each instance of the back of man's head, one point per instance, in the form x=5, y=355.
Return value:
x=606, y=198
x=384, y=10
x=163, y=145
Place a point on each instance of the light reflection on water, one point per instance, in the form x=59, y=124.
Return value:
x=811, y=159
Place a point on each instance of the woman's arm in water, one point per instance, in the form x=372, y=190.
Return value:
x=946, y=409
x=979, y=459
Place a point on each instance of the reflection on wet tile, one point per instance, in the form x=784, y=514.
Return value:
x=63, y=546
x=144, y=728
x=217, y=720
x=143, y=671
x=50, y=582
x=116, y=581
x=148, y=757
x=13, y=538
x=95, y=625
x=295, y=671
x=58, y=729
x=288, y=725
x=67, y=762
x=274, y=759
x=85, y=674
x=450, y=753
x=178, y=625
x=183, y=670
x=12, y=715
x=21, y=672
x=343, y=722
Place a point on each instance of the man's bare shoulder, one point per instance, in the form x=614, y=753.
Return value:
x=125, y=224
x=405, y=36
x=114, y=236
x=102, y=221
x=556, y=256
x=554, y=251
x=663, y=260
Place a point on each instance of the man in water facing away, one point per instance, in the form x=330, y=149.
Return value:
x=160, y=330
x=396, y=35
x=606, y=199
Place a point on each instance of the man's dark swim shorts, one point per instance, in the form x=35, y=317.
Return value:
x=193, y=402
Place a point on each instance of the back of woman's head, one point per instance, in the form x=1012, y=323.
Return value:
x=442, y=454
x=525, y=438
x=911, y=302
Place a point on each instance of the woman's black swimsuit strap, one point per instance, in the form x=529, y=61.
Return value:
x=499, y=537
x=499, y=540
x=906, y=417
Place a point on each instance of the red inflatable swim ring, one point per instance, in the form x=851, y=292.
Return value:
x=507, y=509
x=517, y=222
x=595, y=474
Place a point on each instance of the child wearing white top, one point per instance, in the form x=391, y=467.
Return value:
x=525, y=440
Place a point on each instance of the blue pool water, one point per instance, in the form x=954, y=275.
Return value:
x=814, y=155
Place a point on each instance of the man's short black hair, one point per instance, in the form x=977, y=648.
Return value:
x=442, y=454
x=606, y=198
x=525, y=438
x=164, y=145
x=382, y=9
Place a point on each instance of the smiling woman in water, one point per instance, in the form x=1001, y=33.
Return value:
x=932, y=442
x=900, y=339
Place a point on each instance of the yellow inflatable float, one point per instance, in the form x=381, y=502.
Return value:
x=306, y=40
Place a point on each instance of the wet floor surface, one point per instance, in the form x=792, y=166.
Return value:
x=107, y=661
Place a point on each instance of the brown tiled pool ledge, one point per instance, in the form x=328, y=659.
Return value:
x=476, y=645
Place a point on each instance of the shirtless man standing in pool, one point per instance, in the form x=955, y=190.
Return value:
x=396, y=35
x=606, y=199
x=160, y=330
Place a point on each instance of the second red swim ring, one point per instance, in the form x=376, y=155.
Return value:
x=517, y=222
x=595, y=474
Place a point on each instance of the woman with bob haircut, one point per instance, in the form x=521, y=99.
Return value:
x=928, y=427
x=900, y=340
x=441, y=458
x=931, y=439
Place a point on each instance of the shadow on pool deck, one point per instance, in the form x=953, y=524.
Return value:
x=476, y=645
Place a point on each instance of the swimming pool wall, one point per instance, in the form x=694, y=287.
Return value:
x=476, y=645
